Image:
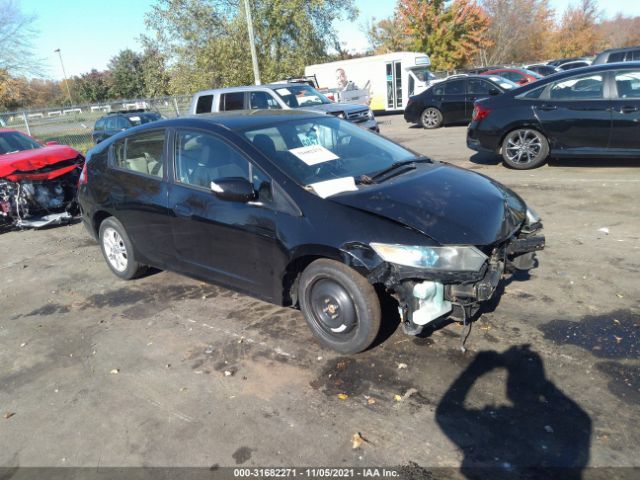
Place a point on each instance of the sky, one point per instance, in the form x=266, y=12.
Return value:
x=90, y=32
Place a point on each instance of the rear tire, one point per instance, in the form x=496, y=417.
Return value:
x=118, y=251
x=431, y=118
x=524, y=148
x=340, y=306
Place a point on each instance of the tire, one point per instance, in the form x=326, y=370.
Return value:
x=340, y=306
x=118, y=250
x=524, y=148
x=430, y=118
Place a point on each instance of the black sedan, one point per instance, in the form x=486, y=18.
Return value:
x=307, y=210
x=588, y=112
x=451, y=101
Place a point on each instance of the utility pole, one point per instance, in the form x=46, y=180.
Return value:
x=252, y=41
x=64, y=74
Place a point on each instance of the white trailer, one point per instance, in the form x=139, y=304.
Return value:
x=389, y=79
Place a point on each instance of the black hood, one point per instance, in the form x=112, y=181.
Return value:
x=451, y=205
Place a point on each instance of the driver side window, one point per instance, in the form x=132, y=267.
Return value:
x=201, y=158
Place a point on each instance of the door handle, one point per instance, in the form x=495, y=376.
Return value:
x=182, y=210
x=548, y=108
x=628, y=109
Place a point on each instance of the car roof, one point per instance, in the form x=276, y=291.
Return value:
x=622, y=49
x=248, y=88
x=235, y=120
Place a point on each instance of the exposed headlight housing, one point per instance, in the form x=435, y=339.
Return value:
x=371, y=117
x=340, y=115
x=532, y=216
x=449, y=259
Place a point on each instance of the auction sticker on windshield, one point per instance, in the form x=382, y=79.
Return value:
x=336, y=185
x=283, y=91
x=314, y=154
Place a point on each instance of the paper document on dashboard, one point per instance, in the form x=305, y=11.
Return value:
x=332, y=187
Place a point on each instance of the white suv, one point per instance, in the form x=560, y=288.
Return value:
x=280, y=96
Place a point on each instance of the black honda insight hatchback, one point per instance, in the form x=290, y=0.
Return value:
x=307, y=210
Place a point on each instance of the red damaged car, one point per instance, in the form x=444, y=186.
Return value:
x=38, y=183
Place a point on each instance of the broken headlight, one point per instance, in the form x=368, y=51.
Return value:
x=451, y=259
x=532, y=216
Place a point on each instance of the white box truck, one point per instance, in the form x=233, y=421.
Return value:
x=383, y=82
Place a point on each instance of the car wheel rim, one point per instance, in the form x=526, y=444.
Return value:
x=430, y=117
x=115, y=249
x=523, y=146
x=332, y=308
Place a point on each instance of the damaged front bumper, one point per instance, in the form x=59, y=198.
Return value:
x=427, y=295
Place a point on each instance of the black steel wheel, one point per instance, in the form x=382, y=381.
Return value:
x=340, y=306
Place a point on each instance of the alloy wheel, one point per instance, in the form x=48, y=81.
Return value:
x=523, y=146
x=115, y=249
x=431, y=118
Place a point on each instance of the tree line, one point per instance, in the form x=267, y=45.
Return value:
x=191, y=45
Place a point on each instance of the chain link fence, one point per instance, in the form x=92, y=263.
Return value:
x=73, y=126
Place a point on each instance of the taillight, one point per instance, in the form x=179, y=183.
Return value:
x=480, y=113
x=84, y=176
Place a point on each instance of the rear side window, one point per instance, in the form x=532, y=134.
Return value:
x=616, y=57
x=232, y=101
x=635, y=55
x=628, y=84
x=454, y=88
x=478, y=86
x=141, y=153
x=204, y=104
x=588, y=87
x=532, y=94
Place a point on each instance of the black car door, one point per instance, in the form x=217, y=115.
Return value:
x=575, y=113
x=476, y=90
x=234, y=243
x=138, y=192
x=453, y=103
x=625, y=111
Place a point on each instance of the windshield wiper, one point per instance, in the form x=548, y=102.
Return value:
x=409, y=164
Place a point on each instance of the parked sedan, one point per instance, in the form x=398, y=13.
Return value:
x=115, y=122
x=307, y=210
x=451, y=101
x=593, y=111
x=521, y=76
x=541, y=69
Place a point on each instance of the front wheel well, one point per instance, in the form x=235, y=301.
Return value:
x=292, y=275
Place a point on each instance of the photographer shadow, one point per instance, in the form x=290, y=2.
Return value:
x=542, y=434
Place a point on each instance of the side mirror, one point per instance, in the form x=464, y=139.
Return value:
x=49, y=144
x=233, y=189
x=494, y=91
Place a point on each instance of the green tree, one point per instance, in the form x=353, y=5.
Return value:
x=127, y=78
x=387, y=36
x=155, y=76
x=205, y=42
x=92, y=87
x=451, y=32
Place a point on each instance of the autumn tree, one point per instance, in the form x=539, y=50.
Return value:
x=92, y=87
x=16, y=34
x=386, y=35
x=577, y=32
x=205, y=42
x=619, y=31
x=450, y=32
x=519, y=30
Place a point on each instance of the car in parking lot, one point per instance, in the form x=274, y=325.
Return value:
x=116, y=122
x=451, y=101
x=283, y=96
x=520, y=76
x=590, y=112
x=38, y=182
x=542, y=69
x=613, y=55
x=306, y=210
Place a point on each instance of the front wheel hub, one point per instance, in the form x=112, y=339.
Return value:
x=332, y=307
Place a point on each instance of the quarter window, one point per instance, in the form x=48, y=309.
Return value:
x=628, y=84
x=202, y=158
x=141, y=153
x=578, y=88
x=205, y=102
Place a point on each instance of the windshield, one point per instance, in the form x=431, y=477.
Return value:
x=15, y=141
x=532, y=73
x=505, y=83
x=144, y=118
x=423, y=74
x=296, y=96
x=326, y=148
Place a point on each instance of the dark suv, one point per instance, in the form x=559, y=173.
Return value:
x=628, y=54
x=116, y=122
